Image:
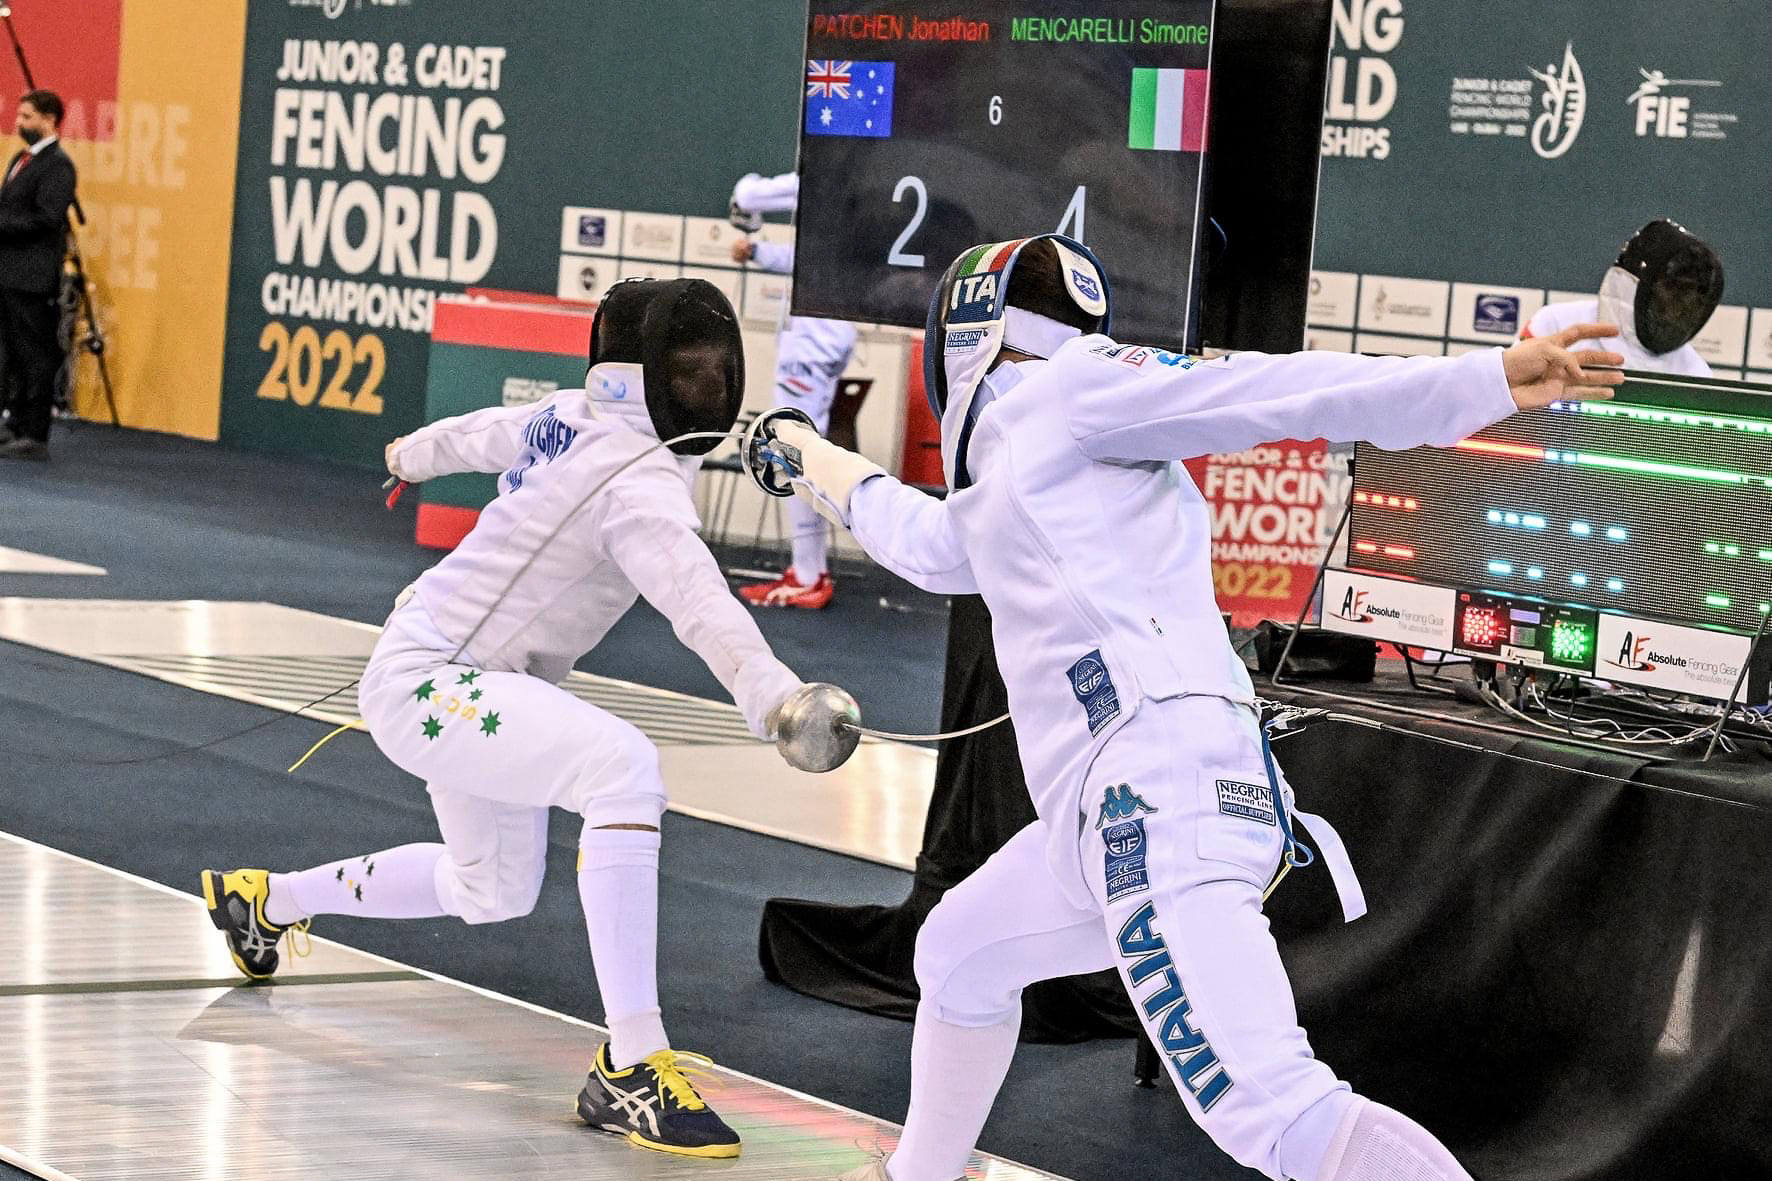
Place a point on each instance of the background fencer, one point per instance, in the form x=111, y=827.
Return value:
x=810, y=356
x=461, y=690
x=1660, y=291
x=1161, y=814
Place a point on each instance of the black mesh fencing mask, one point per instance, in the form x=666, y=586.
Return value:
x=1678, y=280
x=684, y=335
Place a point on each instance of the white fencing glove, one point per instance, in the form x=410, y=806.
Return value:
x=828, y=474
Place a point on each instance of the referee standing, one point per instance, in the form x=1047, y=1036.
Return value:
x=37, y=189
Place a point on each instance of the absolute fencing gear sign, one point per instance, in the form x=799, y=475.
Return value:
x=1663, y=288
x=970, y=320
x=684, y=335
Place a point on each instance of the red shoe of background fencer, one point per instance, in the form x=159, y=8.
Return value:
x=786, y=592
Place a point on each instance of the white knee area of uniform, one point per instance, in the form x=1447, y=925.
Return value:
x=621, y=782
x=492, y=889
x=952, y=973
x=1376, y=1143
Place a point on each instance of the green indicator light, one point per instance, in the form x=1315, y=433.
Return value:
x=1734, y=551
x=1766, y=555
x=1569, y=643
x=1711, y=547
x=1716, y=600
x=1677, y=417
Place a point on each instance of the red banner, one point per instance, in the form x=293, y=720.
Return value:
x=1274, y=510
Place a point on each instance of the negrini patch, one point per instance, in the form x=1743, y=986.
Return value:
x=1249, y=801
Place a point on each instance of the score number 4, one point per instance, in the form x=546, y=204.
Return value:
x=297, y=360
x=1071, y=223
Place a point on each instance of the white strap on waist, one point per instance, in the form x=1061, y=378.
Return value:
x=1341, y=870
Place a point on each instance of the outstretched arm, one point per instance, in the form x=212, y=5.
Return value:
x=484, y=441
x=1160, y=411
x=669, y=564
x=907, y=531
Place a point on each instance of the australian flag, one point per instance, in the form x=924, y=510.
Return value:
x=849, y=98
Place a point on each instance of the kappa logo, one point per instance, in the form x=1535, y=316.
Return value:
x=1168, y=1009
x=1120, y=802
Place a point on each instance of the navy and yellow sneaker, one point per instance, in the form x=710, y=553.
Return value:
x=236, y=901
x=654, y=1105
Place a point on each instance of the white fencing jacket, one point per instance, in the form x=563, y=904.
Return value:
x=635, y=536
x=1092, y=547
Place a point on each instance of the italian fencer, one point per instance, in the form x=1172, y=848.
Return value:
x=810, y=356
x=1162, y=815
x=1661, y=291
x=462, y=689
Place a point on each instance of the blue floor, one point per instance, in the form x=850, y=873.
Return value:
x=175, y=519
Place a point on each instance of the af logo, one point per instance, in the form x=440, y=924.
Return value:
x=1565, y=105
x=1630, y=654
x=1353, y=607
x=1120, y=802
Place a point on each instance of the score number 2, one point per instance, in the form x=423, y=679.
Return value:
x=1070, y=224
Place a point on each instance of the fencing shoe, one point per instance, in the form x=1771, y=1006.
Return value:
x=655, y=1106
x=787, y=591
x=236, y=901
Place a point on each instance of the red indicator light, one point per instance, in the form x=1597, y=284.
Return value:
x=1386, y=500
x=1511, y=450
x=1481, y=627
x=1410, y=503
x=1398, y=551
x=1360, y=498
x=1366, y=547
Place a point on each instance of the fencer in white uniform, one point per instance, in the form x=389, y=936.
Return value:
x=1660, y=291
x=810, y=356
x=1161, y=814
x=462, y=689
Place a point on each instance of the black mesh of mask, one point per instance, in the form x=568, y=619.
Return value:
x=684, y=335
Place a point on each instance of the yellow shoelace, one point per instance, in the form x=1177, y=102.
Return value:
x=674, y=1069
x=303, y=947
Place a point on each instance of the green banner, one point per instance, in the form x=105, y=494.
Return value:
x=394, y=150
x=1518, y=144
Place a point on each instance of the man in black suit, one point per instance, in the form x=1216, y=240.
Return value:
x=37, y=188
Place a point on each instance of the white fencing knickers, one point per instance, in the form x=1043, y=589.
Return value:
x=496, y=750
x=1178, y=835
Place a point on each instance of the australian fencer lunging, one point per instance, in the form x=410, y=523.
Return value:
x=462, y=690
x=1162, y=815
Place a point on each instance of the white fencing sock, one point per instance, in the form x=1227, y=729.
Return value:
x=1375, y=1143
x=811, y=541
x=618, y=886
x=956, y=1071
x=393, y=884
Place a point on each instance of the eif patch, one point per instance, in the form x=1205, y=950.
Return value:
x=1250, y=801
x=1123, y=866
x=1095, y=690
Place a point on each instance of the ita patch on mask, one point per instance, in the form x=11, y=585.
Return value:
x=1247, y=801
x=1094, y=690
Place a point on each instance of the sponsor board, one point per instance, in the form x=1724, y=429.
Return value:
x=1392, y=304
x=1334, y=298
x=765, y=298
x=1401, y=346
x=584, y=278
x=584, y=230
x=708, y=241
x=1491, y=313
x=1328, y=340
x=1419, y=616
x=1759, y=339
x=1667, y=656
x=655, y=237
x=1723, y=339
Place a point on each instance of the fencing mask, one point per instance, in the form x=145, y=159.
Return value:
x=684, y=336
x=1663, y=288
x=1059, y=291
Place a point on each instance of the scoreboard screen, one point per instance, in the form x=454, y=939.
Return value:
x=929, y=127
x=1657, y=504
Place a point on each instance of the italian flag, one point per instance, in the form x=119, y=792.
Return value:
x=1168, y=111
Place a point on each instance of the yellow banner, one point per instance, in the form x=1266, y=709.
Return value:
x=156, y=178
